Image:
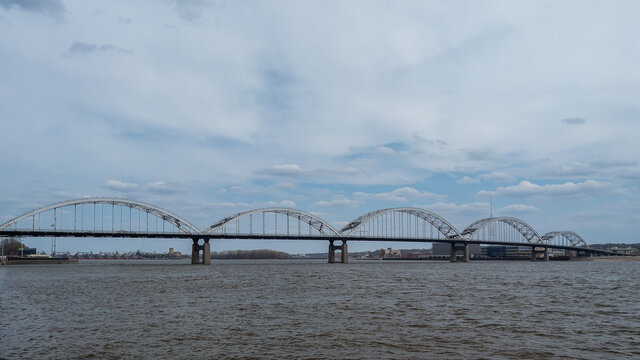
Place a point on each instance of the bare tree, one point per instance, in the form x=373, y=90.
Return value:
x=10, y=246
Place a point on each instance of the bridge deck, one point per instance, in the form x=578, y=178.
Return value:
x=184, y=235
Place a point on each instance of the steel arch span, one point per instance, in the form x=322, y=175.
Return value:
x=313, y=221
x=442, y=225
x=573, y=238
x=526, y=230
x=177, y=221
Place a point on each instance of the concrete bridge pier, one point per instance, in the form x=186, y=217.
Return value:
x=332, y=252
x=196, y=258
x=344, y=254
x=206, y=252
x=464, y=247
x=536, y=251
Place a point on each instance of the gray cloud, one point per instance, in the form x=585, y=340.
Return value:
x=191, y=10
x=83, y=48
x=529, y=189
x=574, y=121
x=604, y=167
x=480, y=155
x=53, y=8
x=295, y=170
x=285, y=170
x=496, y=176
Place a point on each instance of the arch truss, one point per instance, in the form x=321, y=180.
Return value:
x=265, y=221
x=564, y=238
x=89, y=214
x=404, y=222
x=503, y=229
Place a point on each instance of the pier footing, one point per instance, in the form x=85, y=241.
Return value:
x=344, y=253
x=464, y=247
x=201, y=254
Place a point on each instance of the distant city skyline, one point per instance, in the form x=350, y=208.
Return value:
x=208, y=108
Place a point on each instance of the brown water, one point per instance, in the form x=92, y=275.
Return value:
x=303, y=309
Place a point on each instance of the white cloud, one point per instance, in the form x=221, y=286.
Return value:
x=161, y=187
x=402, y=194
x=324, y=173
x=477, y=209
x=234, y=205
x=528, y=189
x=385, y=150
x=338, y=201
x=516, y=209
x=121, y=186
x=241, y=205
x=287, y=203
x=467, y=180
x=156, y=187
x=282, y=203
x=496, y=176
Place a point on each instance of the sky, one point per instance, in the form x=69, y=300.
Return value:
x=208, y=108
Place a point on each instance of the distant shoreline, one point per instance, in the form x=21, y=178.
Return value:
x=613, y=258
x=262, y=254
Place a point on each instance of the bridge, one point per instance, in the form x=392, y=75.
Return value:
x=122, y=218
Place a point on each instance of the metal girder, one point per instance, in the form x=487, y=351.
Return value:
x=443, y=226
x=573, y=238
x=317, y=223
x=166, y=215
x=523, y=228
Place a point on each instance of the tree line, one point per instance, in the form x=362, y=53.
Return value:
x=10, y=247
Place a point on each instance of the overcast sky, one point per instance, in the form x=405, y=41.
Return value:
x=208, y=108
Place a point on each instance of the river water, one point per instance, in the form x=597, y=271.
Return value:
x=285, y=309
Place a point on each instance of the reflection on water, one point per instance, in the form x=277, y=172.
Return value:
x=303, y=309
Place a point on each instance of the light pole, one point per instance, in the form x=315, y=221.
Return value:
x=53, y=243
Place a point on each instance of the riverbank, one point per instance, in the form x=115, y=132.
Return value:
x=613, y=258
x=16, y=260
